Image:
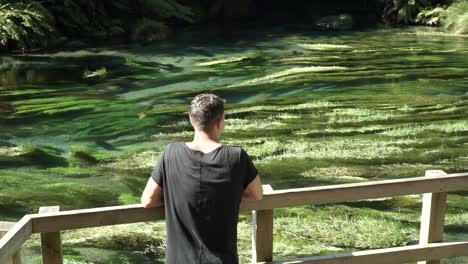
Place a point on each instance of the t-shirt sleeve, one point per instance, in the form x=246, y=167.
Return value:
x=159, y=172
x=248, y=168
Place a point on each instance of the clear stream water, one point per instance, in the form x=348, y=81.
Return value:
x=312, y=108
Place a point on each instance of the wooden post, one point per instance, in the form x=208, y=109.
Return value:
x=262, y=233
x=51, y=243
x=432, y=217
x=4, y=228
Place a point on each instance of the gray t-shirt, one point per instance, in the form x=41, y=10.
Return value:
x=202, y=194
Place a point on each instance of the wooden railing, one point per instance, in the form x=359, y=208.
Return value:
x=435, y=185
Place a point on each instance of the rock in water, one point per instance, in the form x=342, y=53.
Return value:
x=340, y=22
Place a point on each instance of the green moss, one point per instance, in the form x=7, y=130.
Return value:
x=29, y=155
x=82, y=156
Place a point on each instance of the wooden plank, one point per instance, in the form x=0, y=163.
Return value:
x=11, y=242
x=51, y=242
x=262, y=236
x=262, y=232
x=103, y=216
x=358, y=191
x=432, y=216
x=389, y=255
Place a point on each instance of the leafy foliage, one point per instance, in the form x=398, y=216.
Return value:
x=403, y=11
x=24, y=25
x=432, y=16
x=457, y=17
x=28, y=23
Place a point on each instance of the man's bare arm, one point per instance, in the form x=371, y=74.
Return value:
x=254, y=190
x=152, y=195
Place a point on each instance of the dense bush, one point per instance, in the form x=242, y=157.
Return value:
x=432, y=16
x=402, y=11
x=457, y=17
x=24, y=25
x=29, y=24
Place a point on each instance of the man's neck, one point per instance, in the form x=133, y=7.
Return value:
x=204, y=142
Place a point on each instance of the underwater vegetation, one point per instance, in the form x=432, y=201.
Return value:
x=348, y=108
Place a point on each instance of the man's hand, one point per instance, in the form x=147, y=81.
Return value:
x=152, y=195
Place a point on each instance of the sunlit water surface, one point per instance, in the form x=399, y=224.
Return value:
x=312, y=108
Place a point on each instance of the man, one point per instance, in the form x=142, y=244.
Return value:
x=201, y=184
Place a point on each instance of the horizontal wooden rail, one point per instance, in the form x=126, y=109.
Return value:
x=103, y=216
x=113, y=215
x=58, y=221
x=358, y=191
x=388, y=255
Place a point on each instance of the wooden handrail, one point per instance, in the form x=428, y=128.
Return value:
x=113, y=215
x=433, y=251
x=124, y=214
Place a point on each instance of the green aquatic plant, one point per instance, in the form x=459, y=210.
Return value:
x=335, y=174
x=341, y=130
x=413, y=130
x=25, y=191
x=25, y=25
x=336, y=148
x=99, y=73
x=29, y=155
x=309, y=105
x=348, y=115
x=54, y=105
x=243, y=124
x=457, y=17
x=122, y=237
x=406, y=108
x=324, y=46
x=347, y=231
x=82, y=156
x=221, y=61
x=289, y=73
x=141, y=159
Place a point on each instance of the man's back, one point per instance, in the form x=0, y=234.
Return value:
x=202, y=193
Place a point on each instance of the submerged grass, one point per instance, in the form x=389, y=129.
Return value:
x=348, y=115
x=334, y=148
x=221, y=61
x=289, y=73
x=323, y=46
x=413, y=130
x=370, y=118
